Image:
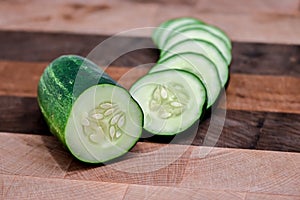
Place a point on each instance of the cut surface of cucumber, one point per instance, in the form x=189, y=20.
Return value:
x=199, y=65
x=199, y=33
x=161, y=33
x=96, y=119
x=104, y=124
x=201, y=47
x=172, y=101
x=209, y=28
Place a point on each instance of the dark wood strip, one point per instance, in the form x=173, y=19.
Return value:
x=266, y=59
x=250, y=58
x=243, y=129
x=44, y=47
x=21, y=114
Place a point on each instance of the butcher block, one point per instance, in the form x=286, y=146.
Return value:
x=255, y=156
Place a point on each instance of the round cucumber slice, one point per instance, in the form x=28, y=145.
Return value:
x=92, y=116
x=202, y=47
x=209, y=28
x=172, y=101
x=162, y=33
x=199, y=33
x=104, y=123
x=199, y=65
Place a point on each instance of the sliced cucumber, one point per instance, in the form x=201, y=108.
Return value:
x=201, y=47
x=162, y=33
x=209, y=28
x=199, y=65
x=96, y=119
x=199, y=33
x=172, y=101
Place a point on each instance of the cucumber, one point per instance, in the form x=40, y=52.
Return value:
x=209, y=28
x=172, y=101
x=96, y=119
x=199, y=65
x=162, y=32
x=201, y=47
x=198, y=33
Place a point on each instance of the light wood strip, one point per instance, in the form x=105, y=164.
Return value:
x=245, y=92
x=27, y=187
x=23, y=187
x=255, y=196
x=221, y=169
x=288, y=7
x=33, y=156
x=167, y=193
x=255, y=21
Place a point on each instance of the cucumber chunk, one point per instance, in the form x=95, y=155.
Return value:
x=96, y=119
x=202, y=47
x=199, y=65
x=199, y=33
x=162, y=33
x=172, y=101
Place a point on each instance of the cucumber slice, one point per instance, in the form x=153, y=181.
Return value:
x=162, y=33
x=199, y=33
x=209, y=28
x=201, y=47
x=172, y=101
x=96, y=119
x=199, y=65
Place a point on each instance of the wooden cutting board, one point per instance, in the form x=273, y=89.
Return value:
x=255, y=157
x=263, y=113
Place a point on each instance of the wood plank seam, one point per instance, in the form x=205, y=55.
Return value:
x=126, y=191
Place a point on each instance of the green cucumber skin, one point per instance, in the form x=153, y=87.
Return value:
x=164, y=26
x=228, y=60
x=56, y=91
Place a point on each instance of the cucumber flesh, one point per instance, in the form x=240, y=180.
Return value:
x=162, y=33
x=203, y=47
x=209, y=28
x=74, y=96
x=202, y=34
x=172, y=101
x=199, y=65
x=103, y=124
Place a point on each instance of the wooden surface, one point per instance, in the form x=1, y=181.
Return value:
x=272, y=21
x=255, y=157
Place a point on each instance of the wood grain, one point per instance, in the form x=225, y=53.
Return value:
x=242, y=129
x=23, y=187
x=248, y=58
x=263, y=93
x=280, y=60
x=101, y=17
x=244, y=92
x=269, y=173
x=45, y=47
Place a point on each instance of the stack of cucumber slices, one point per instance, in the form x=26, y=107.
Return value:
x=98, y=120
x=187, y=79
